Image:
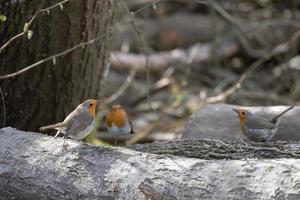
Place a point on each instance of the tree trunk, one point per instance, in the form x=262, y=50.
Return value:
x=34, y=167
x=50, y=91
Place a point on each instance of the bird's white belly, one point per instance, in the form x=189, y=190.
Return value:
x=260, y=134
x=120, y=130
x=82, y=134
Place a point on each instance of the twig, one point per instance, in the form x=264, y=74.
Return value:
x=55, y=55
x=4, y=108
x=24, y=31
x=161, y=84
x=31, y=21
x=52, y=57
x=123, y=88
x=237, y=85
x=140, y=135
x=237, y=29
x=55, y=5
x=146, y=6
x=145, y=51
x=281, y=48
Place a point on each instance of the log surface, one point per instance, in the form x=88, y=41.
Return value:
x=34, y=167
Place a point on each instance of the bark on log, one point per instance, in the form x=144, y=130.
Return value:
x=34, y=167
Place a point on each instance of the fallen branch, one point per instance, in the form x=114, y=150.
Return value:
x=158, y=61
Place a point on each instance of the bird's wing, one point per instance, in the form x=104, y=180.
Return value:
x=78, y=123
x=73, y=115
x=76, y=128
x=259, y=123
x=131, y=127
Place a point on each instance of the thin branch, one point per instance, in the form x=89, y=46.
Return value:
x=145, y=49
x=281, y=48
x=31, y=21
x=55, y=55
x=55, y=5
x=145, y=6
x=24, y=31
x=123, y=88
x=4, y=108
x=237, y=85
x=52, y=57
x=237, y=29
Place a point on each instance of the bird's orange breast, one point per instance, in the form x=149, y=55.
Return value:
x=92, y=107
x=117, y=118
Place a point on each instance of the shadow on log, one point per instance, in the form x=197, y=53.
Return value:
x=34, y=167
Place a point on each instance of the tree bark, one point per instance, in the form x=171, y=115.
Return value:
x=34, y=167
x=50, y=91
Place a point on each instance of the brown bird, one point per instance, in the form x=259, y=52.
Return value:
x=257, y=128
x=117, y=121
x=78, y=124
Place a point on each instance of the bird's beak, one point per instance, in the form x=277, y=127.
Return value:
x=236, y=110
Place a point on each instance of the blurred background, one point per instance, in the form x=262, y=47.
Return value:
x=179, y=55
x=160, y=59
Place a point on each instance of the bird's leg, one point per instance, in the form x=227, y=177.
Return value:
x=116, y=141
x=242, y=141
x=245, y=143
x=65, y=145
x=57, y=133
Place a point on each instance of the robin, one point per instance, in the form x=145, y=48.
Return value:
x=78, y=124
x=257, y=128
x=117, y=122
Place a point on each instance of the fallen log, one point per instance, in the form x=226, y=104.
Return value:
x=167, y=33
x=34, y=167
x=199, y=53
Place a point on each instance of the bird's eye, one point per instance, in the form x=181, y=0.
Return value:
x=91, y=104
x=243, y=113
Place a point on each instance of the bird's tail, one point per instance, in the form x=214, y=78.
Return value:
x=131, y=128
x=274, y=119
x=53, y=126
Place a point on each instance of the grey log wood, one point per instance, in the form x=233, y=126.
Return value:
x=32, y=166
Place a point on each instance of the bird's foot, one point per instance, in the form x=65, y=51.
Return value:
x=57, y=133
x=65, y=146
x=116, y=141
x=245, y=143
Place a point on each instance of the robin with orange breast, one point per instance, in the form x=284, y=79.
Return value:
x=78, y=124
x=117, y=121
x=257, y=128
